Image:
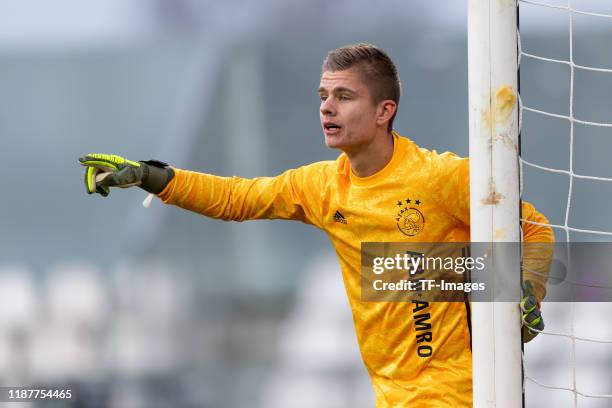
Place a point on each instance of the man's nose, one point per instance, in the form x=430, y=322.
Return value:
x=327, y=107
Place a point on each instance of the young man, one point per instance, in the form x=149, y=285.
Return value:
x=383, y=187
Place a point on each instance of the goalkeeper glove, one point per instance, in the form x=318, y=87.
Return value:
x=530, y=313
x=106, y=170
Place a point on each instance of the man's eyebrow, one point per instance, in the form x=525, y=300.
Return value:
x=337, y=90
x=342, y=89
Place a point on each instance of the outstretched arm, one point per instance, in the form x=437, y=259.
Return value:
x=295, y=194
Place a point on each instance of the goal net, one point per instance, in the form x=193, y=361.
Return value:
x=563, y=114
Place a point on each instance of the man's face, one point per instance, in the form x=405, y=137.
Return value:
x=348, y=114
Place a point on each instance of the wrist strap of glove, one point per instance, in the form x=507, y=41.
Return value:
x=156, y=176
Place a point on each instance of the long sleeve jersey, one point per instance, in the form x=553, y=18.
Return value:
x=419, y=196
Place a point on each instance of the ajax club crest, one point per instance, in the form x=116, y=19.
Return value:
x=410, y=220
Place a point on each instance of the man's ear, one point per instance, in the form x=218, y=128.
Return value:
x=385, y=111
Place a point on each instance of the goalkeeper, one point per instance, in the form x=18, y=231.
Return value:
x=357, y=198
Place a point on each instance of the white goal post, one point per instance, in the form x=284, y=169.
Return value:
x=494, y=192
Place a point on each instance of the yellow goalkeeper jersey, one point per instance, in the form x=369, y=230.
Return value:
x=417, y=353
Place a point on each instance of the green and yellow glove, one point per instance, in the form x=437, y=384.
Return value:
x=108, y=170
x=530, y=313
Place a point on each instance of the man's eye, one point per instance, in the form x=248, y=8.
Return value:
x=343, y=98
x=323, y=98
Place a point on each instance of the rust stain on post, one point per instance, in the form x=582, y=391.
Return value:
x=508, y=142
x=502, y=106
x=487, y=119
x=493, y=197
x=505, y=99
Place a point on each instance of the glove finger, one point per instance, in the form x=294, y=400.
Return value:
x=528, y=335
x=111, y=161
x=90, y=179
x=97, y=160
x=528, y=303
x=92, y=176
x=534, y=320
x=537, y=323
x=103, y=191
x=85, y=159
x=531, y=317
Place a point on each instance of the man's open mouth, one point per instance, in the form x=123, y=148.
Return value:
x=330, y=126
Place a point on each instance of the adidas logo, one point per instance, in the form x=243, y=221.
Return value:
x=338, y=217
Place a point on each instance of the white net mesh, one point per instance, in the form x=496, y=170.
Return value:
x=570, y=363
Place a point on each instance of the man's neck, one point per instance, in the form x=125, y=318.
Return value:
x=372, y=158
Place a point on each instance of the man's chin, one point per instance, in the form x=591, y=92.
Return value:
x=333, y=143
